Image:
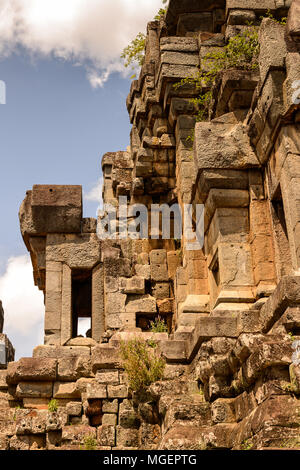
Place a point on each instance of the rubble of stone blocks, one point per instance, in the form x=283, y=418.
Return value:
x=232, y=309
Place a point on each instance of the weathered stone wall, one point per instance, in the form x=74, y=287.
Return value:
x=232, y=378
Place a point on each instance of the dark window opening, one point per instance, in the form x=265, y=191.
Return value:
x=216, y=271
x=81, y=300
x=143, y=321
x=279, y=210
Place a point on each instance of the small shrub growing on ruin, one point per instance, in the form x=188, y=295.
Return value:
x=90, y=443
x=158, y=326
x=281, y=21
x=143, y=363
x=134, y=53
x=53, y=406
x=247, y=444
x=161, y=13
x=18, y=407
x=241, y=52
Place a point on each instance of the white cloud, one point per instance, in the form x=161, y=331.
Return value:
x=84, y=324
x=90, y=32
x=95, y=193
x=23, y=306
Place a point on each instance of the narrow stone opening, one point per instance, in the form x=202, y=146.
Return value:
x=282, y=245
x=215, y=269
x=279, y=210
x=81, y=300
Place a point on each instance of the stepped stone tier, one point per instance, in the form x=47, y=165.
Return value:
x=232, y=379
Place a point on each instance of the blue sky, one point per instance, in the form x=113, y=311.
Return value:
x=66, y=91
x=54, y=129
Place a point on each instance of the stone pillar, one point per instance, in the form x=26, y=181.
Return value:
x=284, y=185
x=53, y=304
x=261, y=237
x=230, y=274
x=98, y=320
x=66, y=310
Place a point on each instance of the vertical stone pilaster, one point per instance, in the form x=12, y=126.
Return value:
x=53, y=302
x=98, y=316
x=66, y=313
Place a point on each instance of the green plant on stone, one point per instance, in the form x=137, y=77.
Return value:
x=151, y=343
x=143, y=364
x=241, y=53
x=134, y=53
x=53, y=405
x=292, y=337
x=247, y=444
x=161, y=14
x=18, y=407
x=90, y=443
x=282, y=20
x=158, y=326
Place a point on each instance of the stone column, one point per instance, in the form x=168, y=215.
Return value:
x=229, y=260
x=98, y=319
x=66, y=311
x=53, y=301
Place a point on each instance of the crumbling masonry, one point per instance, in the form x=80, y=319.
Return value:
x=232, y=308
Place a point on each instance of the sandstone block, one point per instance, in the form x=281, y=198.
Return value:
x=106, y=435
x=217, y=326
x=60, y=351
x=269, y=355
x=158, y=257
x=126, y=438
x=141, y=304
x=174, y=351
x=286, y=293
x=95, y=390
x=34, y=389
x=117, y=391
x=165, y=306
x=273, y=46
x=72, y=368
x=109, y=420
x=65, y=390
x=235, y=152
x=143, y=270
x=3, y=442
x=77, y=434
x=223, y=411
x=74, y=408
x=293, y=23
x=110, y=406
x=3, y=383
x=134, y=285
x=115, y=302
x=106, y=376
x=105, y=358
x=127, y=416
x=161, y=290
x=37, y=369
x=159, y=272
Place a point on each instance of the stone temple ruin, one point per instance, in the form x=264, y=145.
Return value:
x=232, y=308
